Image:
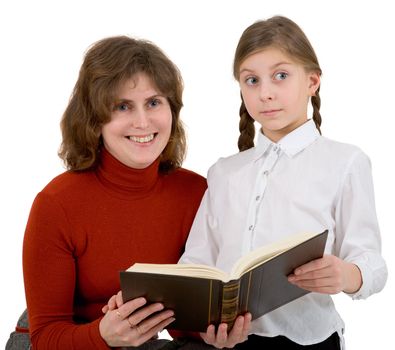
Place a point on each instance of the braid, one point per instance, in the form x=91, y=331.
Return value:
x=247, y=129
x=316, y=102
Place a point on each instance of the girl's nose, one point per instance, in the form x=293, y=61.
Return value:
x=266, y=92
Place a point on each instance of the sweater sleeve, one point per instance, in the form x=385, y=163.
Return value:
x=50, y=279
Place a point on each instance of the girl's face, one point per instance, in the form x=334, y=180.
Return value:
x=140, y=124
x=276, y=91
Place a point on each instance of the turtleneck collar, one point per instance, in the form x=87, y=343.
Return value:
x=129, y=183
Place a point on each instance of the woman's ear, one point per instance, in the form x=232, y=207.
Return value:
x=314, y=82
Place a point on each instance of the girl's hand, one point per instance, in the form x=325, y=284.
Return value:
x=328, y=275
x=222, y=339
x=132, y=323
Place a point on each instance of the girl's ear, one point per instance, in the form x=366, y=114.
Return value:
x=314, y=82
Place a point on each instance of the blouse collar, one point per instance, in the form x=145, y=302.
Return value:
x=292, y=143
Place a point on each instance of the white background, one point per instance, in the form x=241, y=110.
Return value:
x=41, y=49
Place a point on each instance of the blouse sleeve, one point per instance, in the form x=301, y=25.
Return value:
x=201, y=246
x=49, y=276
x=358, y=238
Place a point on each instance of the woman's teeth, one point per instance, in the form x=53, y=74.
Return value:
x=142, y=139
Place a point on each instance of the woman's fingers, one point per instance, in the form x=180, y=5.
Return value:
x=134, y=323
x=119, y=299
x=150, y=328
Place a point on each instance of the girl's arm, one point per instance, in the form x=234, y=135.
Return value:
x=329, y=275
x=201, y=247
x=356, y=266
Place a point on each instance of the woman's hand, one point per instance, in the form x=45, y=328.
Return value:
x=222, y=339
x=328, y=275
x=132, y=323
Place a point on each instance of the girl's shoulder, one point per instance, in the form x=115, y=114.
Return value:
x=338, y=149
x=233, y=163
x=337, y=145
x=340, y=154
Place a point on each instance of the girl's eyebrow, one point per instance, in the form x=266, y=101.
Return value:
x=246, y=70
x=274, y=66
x=280, y=64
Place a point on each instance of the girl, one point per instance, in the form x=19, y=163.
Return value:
x=123, y=198
x=293, y=180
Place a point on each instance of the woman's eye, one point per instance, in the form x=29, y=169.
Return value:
x=251, y=80
x=122, y=107
x=154, y=102
x=280, y=76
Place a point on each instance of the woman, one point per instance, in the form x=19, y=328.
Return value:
x=124, y=199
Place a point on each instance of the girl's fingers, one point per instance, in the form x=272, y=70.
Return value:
x=240, y=330
x=236, y=333
x=246, y=327
x=222, y=336
x=315, y=274
x=222, y=339
x=209, y=336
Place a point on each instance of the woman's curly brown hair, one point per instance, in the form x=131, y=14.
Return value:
x=109, y=63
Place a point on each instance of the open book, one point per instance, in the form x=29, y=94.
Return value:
x=202, y=295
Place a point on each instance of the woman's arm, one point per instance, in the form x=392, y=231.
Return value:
x=49, y=268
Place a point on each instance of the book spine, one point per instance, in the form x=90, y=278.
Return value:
x=230, y=302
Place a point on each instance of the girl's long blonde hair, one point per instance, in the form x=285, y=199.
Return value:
x=285, y=35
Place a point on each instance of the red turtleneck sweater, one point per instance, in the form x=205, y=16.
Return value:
x=85, y=227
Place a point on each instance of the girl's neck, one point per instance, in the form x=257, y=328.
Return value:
x=276, y=135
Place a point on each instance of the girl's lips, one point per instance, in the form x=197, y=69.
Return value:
x=270, y=112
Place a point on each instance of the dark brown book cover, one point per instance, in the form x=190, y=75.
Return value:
x=199, y=302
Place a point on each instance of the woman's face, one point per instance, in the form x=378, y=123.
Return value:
x=140, y=124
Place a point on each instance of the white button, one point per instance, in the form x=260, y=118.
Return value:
x=251, y=227
x=266, y=173
x=275, y=148
x=257, y=198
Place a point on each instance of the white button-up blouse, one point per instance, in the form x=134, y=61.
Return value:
x=303, y=183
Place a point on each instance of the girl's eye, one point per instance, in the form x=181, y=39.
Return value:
x=280, y=76
x=251, y=80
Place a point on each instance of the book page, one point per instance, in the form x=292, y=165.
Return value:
x=189, y=270
x=267, y=252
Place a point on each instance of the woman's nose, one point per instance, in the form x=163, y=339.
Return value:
x=140, y=119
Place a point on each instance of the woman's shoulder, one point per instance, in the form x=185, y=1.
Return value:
x=67, y=182
x=186, y=178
